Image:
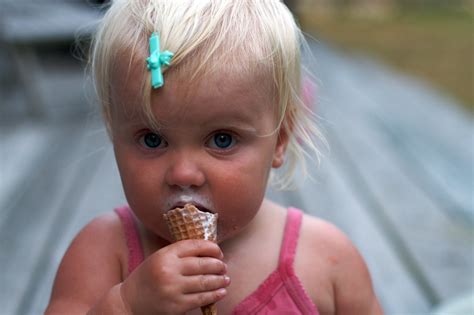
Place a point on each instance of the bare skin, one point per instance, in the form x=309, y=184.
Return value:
x=211, y=143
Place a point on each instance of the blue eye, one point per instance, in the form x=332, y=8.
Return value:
x=222, y=140
x=152, y=140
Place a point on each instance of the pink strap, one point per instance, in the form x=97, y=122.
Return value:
x=281, y=292
x=132, y=235
x=290, y=238
x=286, y=265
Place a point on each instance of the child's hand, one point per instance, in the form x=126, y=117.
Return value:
x=177, y=278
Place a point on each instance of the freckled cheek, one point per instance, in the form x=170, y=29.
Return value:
x=141, y=183
x=239, y=205
x=238, y=196
x=143, y=194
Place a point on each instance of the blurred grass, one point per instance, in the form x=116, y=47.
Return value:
x=435, y=44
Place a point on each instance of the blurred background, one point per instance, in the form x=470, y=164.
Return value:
x=431, y=39
x=394, y=95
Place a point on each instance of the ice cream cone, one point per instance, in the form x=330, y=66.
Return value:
x=210, y=309
x=191, y=223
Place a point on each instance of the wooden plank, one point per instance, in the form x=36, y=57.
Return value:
x=439, y=250
x=30, y=212
x=28, y=26
x=29, y=73
x=419, y=108
x=22, y=146
x=54, y=86
x=40, y=211
x=433, y=132
x=29, y=23
x=101, y=194
x=66, y=89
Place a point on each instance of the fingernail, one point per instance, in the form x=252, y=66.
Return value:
x=227, y=280
x=221, y=292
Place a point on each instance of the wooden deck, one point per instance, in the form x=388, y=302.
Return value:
x=398, y=180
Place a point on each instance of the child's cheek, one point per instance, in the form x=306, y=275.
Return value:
x=238, y=199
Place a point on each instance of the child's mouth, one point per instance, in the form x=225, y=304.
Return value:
x=203, y=209
x=179, y=201
x=199, y=207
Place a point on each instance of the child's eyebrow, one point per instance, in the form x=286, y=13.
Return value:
x=240, y=122
x=242, y=127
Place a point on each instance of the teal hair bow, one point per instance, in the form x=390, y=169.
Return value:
x=156, y=60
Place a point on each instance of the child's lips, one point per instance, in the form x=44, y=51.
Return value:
x=203, y=209
x=203, y=203
x=200, y=207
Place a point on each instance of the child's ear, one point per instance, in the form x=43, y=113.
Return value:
x=280, y=148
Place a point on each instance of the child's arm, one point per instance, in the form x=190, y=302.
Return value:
x=175, y=279
x=89, y=268
x=353, y=288
x=342, y=283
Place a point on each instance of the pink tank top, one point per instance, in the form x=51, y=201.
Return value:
x=281, y=293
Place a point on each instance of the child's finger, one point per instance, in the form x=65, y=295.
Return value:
x=202, y=266
x=205, y=283
x=196, y=248
x=195, y=300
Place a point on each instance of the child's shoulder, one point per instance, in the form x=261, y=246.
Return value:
x=323, y=241
x=106, y=227
x=92, y=262
x=317, y=233
x=103, y=239
x=329, y=264
x=106, y=230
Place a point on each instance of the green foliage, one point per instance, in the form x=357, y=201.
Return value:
x=432, y=42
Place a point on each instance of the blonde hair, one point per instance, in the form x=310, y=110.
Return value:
x=253, y=37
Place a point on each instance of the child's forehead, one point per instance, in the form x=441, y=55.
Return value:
x=222, y=82
x=131, y=64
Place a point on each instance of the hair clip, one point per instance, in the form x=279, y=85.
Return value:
x=156, y=60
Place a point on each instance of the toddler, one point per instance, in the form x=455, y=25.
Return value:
x=202, y=100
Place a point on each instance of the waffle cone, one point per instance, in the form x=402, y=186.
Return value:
x=210, y=309
x=190, y=223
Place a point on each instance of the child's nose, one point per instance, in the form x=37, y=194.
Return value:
x=184, y=171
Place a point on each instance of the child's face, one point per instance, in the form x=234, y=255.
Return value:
x=215, y=148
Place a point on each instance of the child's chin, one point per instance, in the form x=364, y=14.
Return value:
x=225, y=235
